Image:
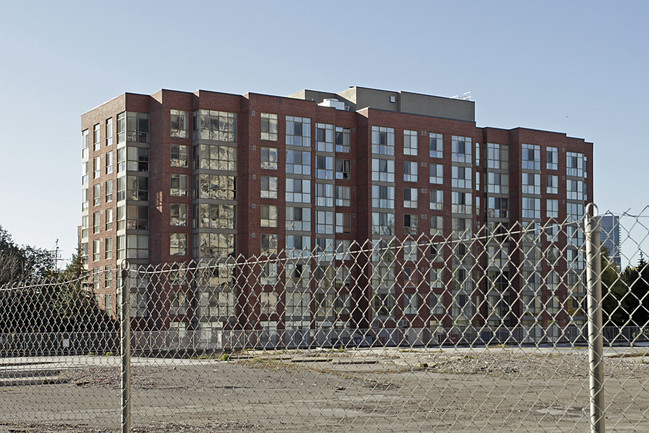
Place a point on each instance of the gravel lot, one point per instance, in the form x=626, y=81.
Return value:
x=450, y=390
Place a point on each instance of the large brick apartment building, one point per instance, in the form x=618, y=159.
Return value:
x=209, y=177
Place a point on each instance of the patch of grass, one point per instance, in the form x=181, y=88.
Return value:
x=629, y=355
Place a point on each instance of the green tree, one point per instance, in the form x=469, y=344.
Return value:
x=614, y=292
x=18, y=264
x=637, y=299
x=37, y=298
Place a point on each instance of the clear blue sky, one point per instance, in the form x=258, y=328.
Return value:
x=579, y=67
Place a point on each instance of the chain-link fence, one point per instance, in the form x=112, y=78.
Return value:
x=501, y=329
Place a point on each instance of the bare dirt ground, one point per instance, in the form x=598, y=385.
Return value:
x=454, y=390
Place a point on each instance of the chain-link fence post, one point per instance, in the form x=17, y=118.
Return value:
x=595, y=340
x=125, y=336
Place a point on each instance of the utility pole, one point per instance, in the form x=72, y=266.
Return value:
x=56, y=255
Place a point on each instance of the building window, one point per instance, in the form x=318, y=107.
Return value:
x=382, y=140
x=298, y=219
x=343, y=222
x=179, y=156
x=552, y=158
x=436, y=200
x=461, y=202
x=178, y=306
x=552, y=208
x=324, y=222
x=268, y=215
x=461, y=177
x=179, y=123
x=410, y=197
x=343, y=168
x=121, y=160
x=324, y=167
x=137, y=217
x=179, y=185
x=382, y=303
x=269, y=126
x=324, y=193
x=137, y=159
x=436, y=145
x=178, y=244
x=497, y=156
x=108, y=248
x=216, y=125
x=324, y=137
x=383, y=196
x=96, y=253
x=109, y=219
x=575, y=164
x=298, y=190
x=437, y=301
x=410, y=251
x=298, y=162
x=497, y=207
x=109, y=131
x=269, y=158
x=108, y=283
x=137, y=127
x=121, y=128
x=121, y=218
x=84, y=144
x=324, y=248
x=96, y=195
x=343, y=248
x=531, y=183
x=410, y=142
x=214, y=245
x=96, y=167
x=84, y=226
x=268, y=187
x=109, y=191
x=84, y=173
x=382, y=170
x=216, y=216
x=411, y=303
x=215, y=186
x=96, y=223
x=383, y=224
x=215, y=157
x=343, y=140
x=575, y=189
x=531, y=157
x=410, y=171
x=461, y=149
x=436, y=225
x=410, y=224
x=298, y=246
x=553, y=184
x=436, y=174
x=268, y=276
x=109, y=162
x=96, y=139
x=531, y=208
x=298, y=131
x=268, y=244
x=343, y=195
x=497, y=183
x=178, y=214
x=137, y=187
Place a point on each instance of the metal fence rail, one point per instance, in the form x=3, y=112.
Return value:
x=495, y=330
